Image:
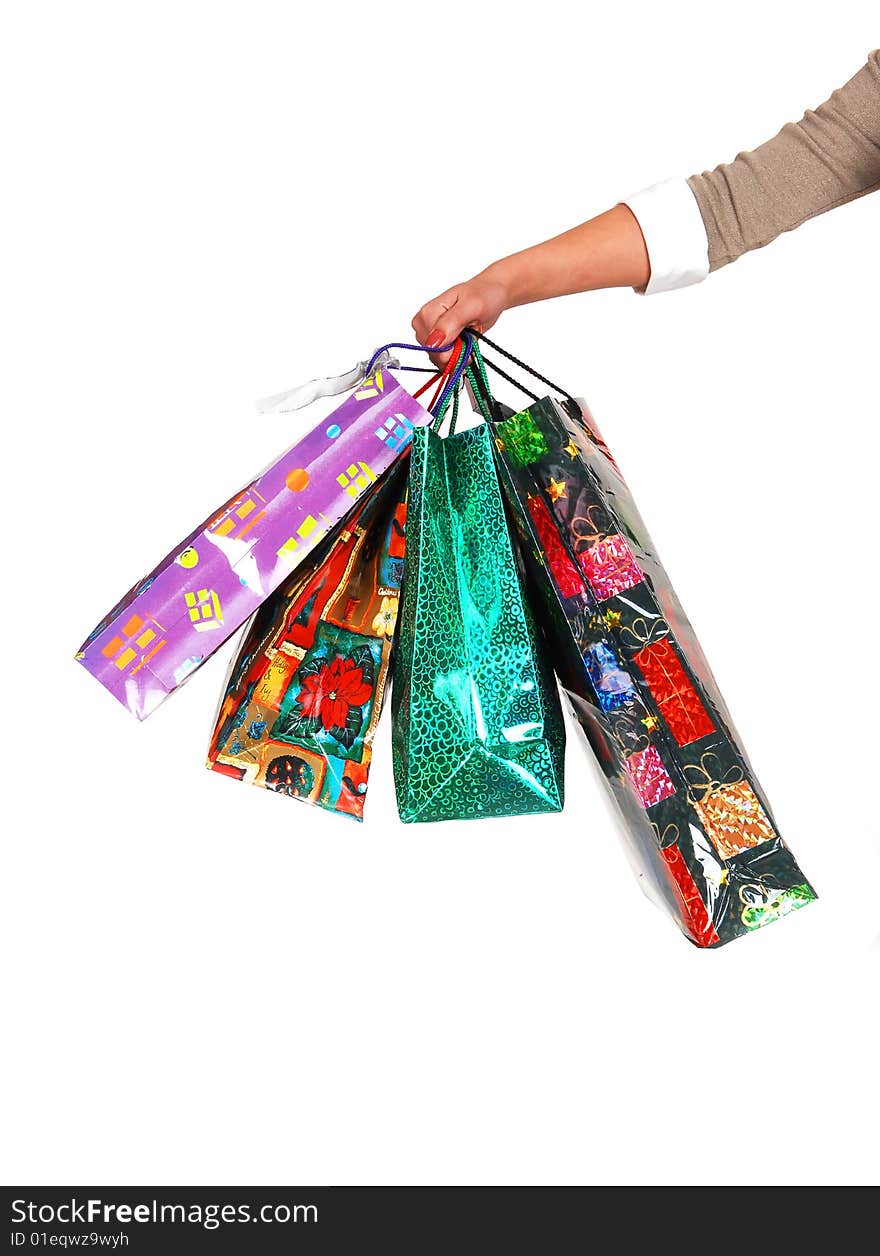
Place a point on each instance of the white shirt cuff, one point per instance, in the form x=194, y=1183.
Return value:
x=671, y=222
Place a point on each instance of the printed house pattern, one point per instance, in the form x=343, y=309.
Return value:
x=199, y=594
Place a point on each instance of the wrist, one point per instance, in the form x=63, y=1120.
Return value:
x=503, y=278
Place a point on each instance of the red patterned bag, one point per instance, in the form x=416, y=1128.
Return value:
x=305, y=693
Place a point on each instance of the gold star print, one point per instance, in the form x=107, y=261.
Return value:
x=557, y=489
x=571, y=449
x=650, y=722
x=612, y=618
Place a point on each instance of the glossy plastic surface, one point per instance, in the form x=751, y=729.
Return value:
x=305, y=693
x=477, y=726
x=697, y=821
x=215, y=578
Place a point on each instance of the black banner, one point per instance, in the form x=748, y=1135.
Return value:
x=242, y=1219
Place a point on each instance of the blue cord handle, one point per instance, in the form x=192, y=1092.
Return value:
x=396, y=344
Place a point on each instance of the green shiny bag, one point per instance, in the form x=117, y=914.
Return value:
x=477, y=725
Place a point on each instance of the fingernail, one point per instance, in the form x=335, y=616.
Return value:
x=434, y=340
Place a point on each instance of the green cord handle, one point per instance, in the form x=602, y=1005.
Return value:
x=479, y=380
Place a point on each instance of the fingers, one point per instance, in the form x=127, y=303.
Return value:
x=429, y=316
x=426, y=324
x=476, y=304
x=441, y=321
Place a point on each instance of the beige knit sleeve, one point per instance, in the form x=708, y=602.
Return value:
x=831, y=156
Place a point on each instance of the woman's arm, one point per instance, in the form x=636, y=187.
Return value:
x=676, y=232
x=606, y=252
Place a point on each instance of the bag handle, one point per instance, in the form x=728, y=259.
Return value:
x=451, y=379
x=447, y=382
x=481, y=390
x=524, y=366
x=471, y=368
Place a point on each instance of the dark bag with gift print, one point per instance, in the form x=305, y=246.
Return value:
x=694, y=814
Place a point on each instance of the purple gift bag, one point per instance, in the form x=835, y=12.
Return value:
x=199, y=594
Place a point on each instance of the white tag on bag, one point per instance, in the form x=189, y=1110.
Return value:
x=305, y=394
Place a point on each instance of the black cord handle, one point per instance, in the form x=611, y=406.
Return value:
x=498, y=371
x=524, y=366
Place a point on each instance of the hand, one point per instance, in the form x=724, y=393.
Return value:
x=479, y=303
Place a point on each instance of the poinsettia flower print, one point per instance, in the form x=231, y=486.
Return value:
x=383, y=623
x=329, y=694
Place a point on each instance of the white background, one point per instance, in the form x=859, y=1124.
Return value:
x=206, y=983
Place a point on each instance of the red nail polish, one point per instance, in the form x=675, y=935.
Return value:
x=434, y=340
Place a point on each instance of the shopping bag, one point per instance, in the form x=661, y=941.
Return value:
x=200, y=593
x=477, y=727
x=697, y=820
x=305, y=692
